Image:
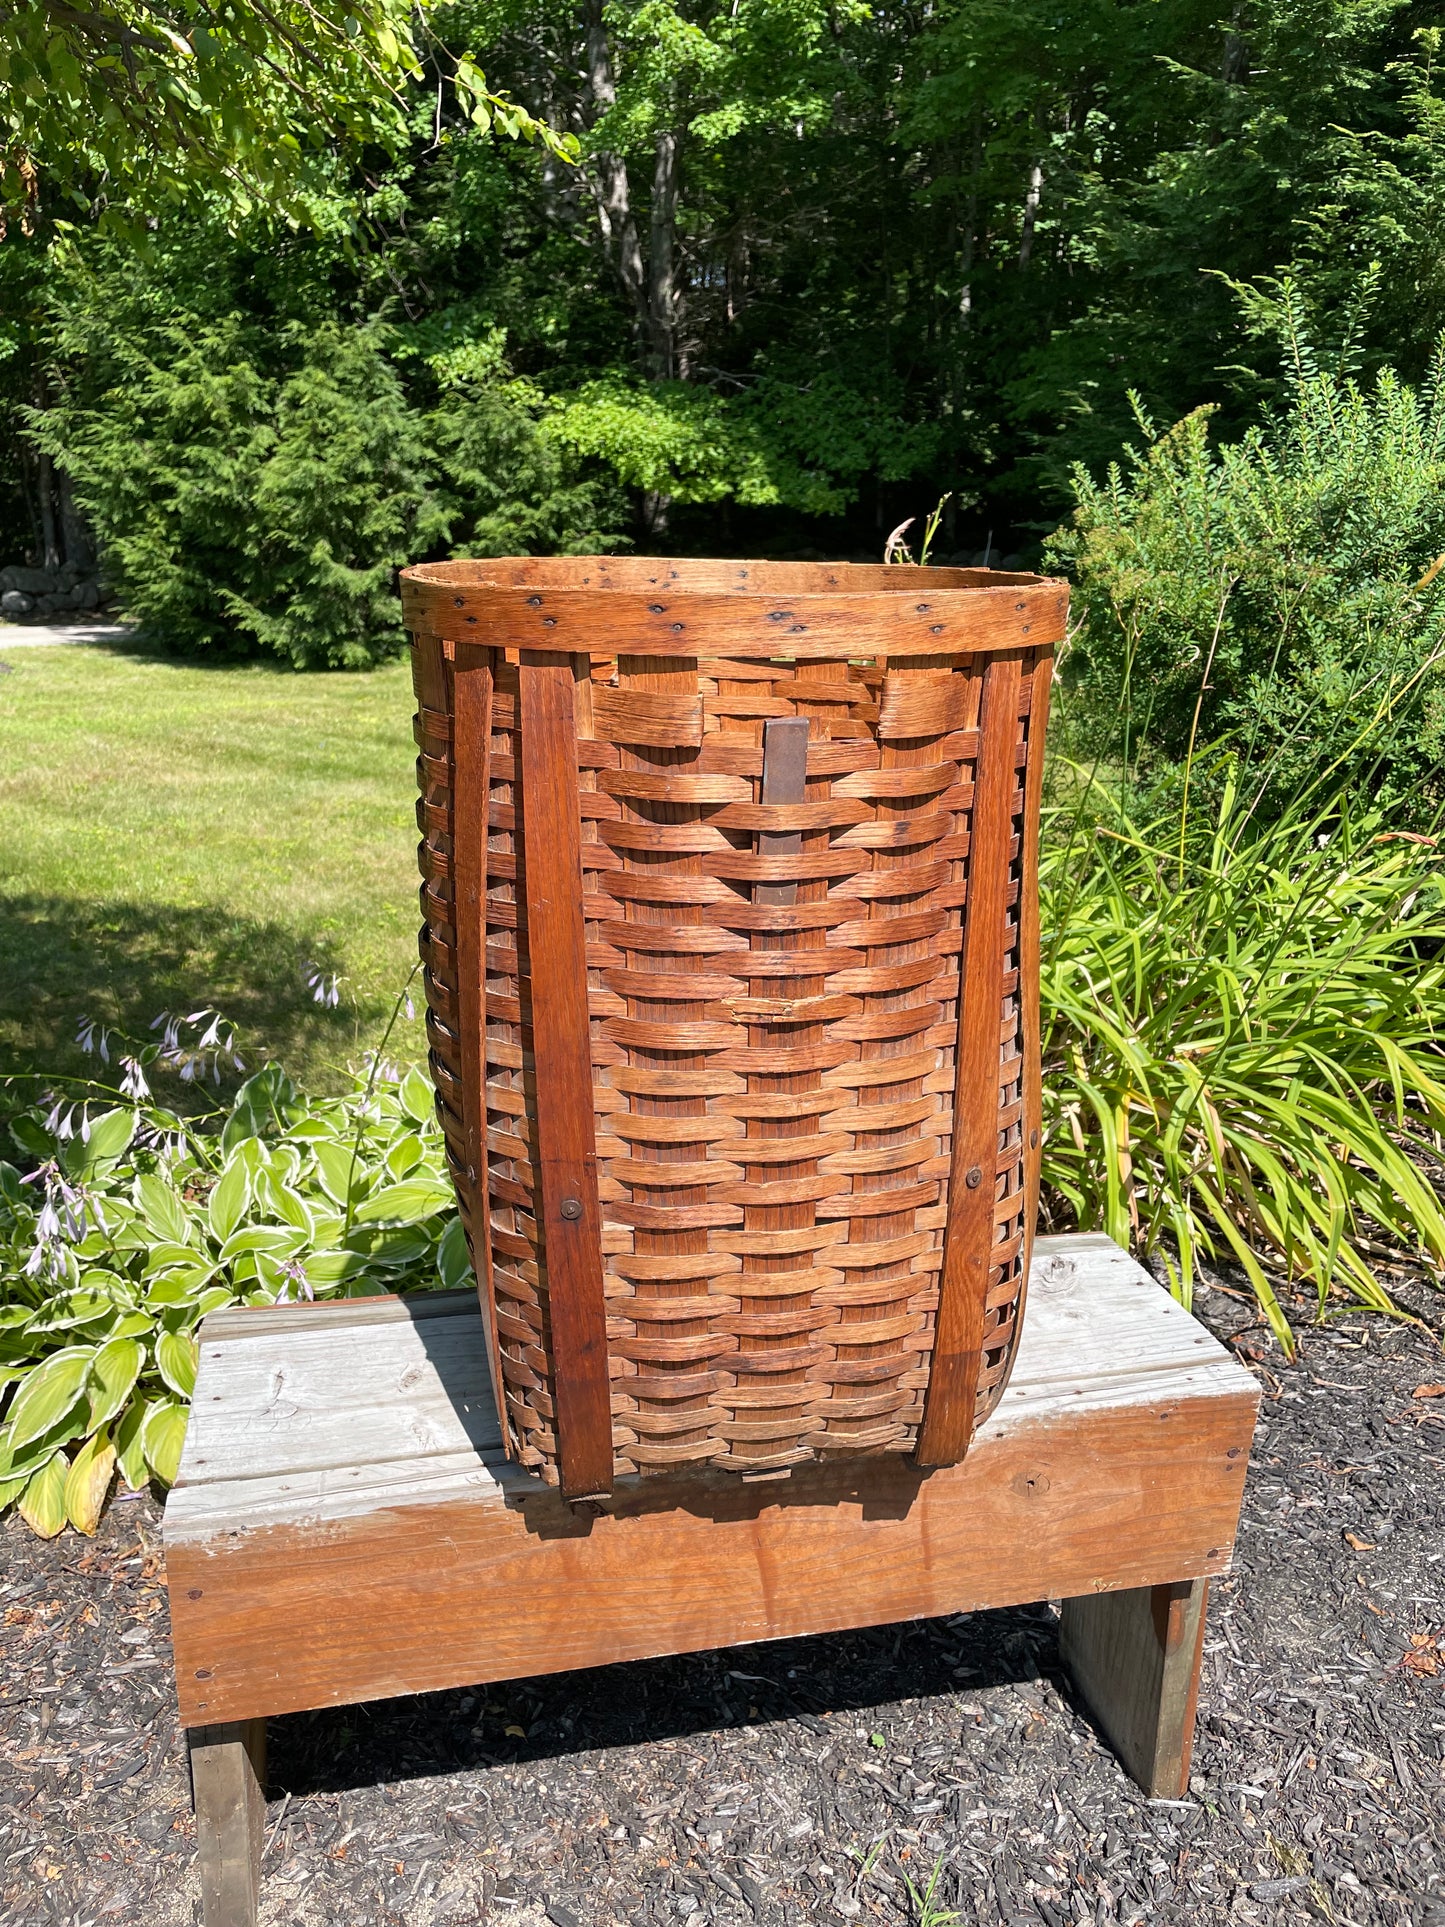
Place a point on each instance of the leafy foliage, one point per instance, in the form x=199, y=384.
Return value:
x=259, y=495
x=139, y=103
x=132, y=1222
x=817, y=265
x=1242, y=1037
x=1284, y=585
x=242, y=504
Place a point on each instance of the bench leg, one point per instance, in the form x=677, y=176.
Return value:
x=1134, y=1657
x=228, y=1789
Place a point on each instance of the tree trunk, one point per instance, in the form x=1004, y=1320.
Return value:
x=662, y=303
x=651, y=284
x=49, y=528
x=608, y=172
x=78, y=542
x=1235, y=61
x=1031, y=212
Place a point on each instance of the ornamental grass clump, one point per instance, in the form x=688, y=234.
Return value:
x=125, y=1223
x=1242, y=1036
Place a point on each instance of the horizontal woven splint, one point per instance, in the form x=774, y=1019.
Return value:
x=731, y=947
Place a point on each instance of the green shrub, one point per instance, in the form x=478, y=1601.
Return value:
x=510, y=488
x=1242, y=1031
x=131, y=1223
x=249, y=501
x=1290, y=576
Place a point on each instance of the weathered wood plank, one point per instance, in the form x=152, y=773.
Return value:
x=321, y=1495
x=378, y=1382
x=1135, y=1658
x=326, y=1314
x=1095, y=1473
x=286, y=1402
x=291, y=1391
x=228, y=1788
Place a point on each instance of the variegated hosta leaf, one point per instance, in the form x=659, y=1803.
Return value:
x=88, y=1482
x=291, y=1199
x=162, y=1436
x=42, y=1503
x=47, y=1394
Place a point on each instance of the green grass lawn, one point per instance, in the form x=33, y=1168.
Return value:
x=173, y=836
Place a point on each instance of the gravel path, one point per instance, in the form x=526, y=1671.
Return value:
x=812, y=1780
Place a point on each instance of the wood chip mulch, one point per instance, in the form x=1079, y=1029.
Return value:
x=818, y=1779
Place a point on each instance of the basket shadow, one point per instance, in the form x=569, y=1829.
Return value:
x=812, y=1682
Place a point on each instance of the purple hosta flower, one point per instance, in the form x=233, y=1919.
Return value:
x=133, y=1080
x=324, y=985
x=410, y=1007
x=93, y=1036
x=63, y=1216
x=46, y=1256
x=60, y=1120
x=193, y=1059
x=167, y=1145
x=171, y=1032
x=294, y=1282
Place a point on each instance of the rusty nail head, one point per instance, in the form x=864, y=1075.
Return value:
x=194, y=1593
x=203, y=1672
x=1033, y=1140
x=974, y=1178
x=571, y=1207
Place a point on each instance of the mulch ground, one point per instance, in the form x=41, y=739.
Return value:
x=827, y=1779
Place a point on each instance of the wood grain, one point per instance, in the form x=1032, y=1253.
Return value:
x=228, y=1791
x=351, y=1482
x=566, y=1152
x=471, y=745
x=1135, y=1658
x=815, y=625
x=784, y=778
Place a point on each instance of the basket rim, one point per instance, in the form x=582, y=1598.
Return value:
x=882, y=584
x=809, y=611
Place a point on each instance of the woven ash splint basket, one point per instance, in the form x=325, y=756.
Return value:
x=731, y=945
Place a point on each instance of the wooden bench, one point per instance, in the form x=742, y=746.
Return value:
x=342, y=1476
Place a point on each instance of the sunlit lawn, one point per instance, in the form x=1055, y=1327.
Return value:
x=174, y=836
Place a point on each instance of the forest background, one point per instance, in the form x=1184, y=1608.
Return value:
x=814, y=266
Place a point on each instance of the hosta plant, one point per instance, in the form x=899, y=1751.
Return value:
x=123, y=1223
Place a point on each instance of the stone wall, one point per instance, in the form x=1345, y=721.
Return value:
x=30, y=594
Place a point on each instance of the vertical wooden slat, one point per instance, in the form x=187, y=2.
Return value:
x=785, y=773
x=471, y=796
x=1029, y=957
x=963, y=1286
x=566, y=1151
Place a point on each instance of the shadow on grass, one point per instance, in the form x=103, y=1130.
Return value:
x=62, y=960
x=851, y=1674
